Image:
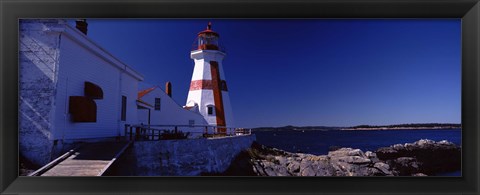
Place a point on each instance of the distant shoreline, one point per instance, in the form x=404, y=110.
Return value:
x=398, y=128
x=419, y=126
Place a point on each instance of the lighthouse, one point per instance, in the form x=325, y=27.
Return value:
x=208, y=88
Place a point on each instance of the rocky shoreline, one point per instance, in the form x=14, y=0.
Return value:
x=421, y=158
x=398, y=128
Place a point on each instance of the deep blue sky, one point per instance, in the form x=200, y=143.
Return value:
x=307, y=72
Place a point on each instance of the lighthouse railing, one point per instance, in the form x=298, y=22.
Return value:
x=161, y=132
x=218, y=47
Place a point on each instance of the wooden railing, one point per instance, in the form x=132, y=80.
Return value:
x=159, y=132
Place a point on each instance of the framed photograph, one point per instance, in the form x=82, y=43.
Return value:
x=244, y=97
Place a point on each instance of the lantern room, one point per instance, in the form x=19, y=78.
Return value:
x=207, y=40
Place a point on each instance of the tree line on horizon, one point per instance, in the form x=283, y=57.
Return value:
x=410, y=125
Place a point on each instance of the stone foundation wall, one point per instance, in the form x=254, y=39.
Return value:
x=188, y=157
x=38, y=60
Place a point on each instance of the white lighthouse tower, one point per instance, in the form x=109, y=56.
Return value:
x=208, y=89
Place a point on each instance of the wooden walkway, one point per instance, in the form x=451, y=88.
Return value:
x=91, y=159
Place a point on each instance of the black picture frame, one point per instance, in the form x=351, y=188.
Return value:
x=11, y=11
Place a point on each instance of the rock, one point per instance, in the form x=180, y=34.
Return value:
x=424, y=142
x=375, y=160
x=293, y=167
x=308, y=171
x=384, y=168
x=358, y=170
x=341, y=168
x=362, y=171
x=407, y=161
x=375, y=172
x=340, y=152
x=398, y=147
x=351, y=159
x=270, y=158
x=270, y=172
x=360, y=160
x=348, y=155
x=421, y=158
x=386, y=153
x=356, y=152
x=289, y=160
x=409, y=146
x=301, y=155
x=304, y=164
x=281, y=171
x=348, y=162
x=266, y=168
x=419, y=174
x=258, y=169
x=405, y=165
x=426, y=154
x=281, y=160
x=370, y=154
x=445, y=142
x=324, y=169
x=319, y=158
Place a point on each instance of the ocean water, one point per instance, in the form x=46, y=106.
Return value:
x=318, y=142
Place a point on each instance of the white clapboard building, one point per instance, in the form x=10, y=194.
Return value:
x=69, y=88
x=158, y=109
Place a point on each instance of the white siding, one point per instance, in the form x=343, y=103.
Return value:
x=207, y=99
x=129, y=89
x=55, y=60
x=220, y=69
x=77, y=65
x=194, y=97
x=204, y=97
x=142, y=115
x=229, y=119
x=201, y=72
x=171, y=113
x=207, y=55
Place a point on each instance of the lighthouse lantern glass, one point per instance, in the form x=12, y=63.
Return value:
x=208, y=41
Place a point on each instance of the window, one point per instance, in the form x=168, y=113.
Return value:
x=210, y=109
x=157, y=103
x=223, y=86
x=124, y=108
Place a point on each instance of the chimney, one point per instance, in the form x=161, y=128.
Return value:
x=168, y=88
x=82, y=25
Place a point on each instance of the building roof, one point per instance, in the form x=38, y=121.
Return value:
x=145, y=92
x=92, y=46
x=188, y=107
x=209, y=30
x=144, y=103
